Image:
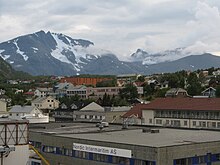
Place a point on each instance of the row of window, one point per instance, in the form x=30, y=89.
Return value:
x=198, y=159
x=204, y=124
x=91, y=156
x=191, y=114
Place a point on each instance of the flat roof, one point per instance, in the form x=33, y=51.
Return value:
x=134, y=135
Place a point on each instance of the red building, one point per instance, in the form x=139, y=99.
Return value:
x=83, y=80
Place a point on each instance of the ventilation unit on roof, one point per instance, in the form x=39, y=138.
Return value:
x=149, y=130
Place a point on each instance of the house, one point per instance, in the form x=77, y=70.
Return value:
x=202, y=113
x=60, y=89
x=65, y=112
x=46, y=104
x=176, y=92
x=210, y=92
x=31, y=113
x=79, y=90
x=42, y=92
x=99, y=92
x=90, y=113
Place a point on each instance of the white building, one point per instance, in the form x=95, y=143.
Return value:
x=30, y=113
x=91, y=112
x=42, y=92
x=177, y=112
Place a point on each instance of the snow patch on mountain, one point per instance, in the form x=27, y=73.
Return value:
x=25, y=57
x=154, y=58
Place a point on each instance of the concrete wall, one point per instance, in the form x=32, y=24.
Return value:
x=148, y=115
x=18, y=157
x=166, y=155
x=138, y=152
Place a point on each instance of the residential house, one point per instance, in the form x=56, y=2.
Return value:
x=124, y=79
x=176, y=92
x=209, y=92
x=79, y=90
x=99, y=92
x=65, y=112
x=202, y=113
x=46, y=104
x=60, y=90
x=31, y=113
x=42, y=92
x=90, y=113
x=216, y=73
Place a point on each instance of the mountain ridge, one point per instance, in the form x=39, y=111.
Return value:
x=47, y=53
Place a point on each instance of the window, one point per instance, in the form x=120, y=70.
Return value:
x=150, y=121
x=158, y=121
x=185, y=123
x=201, y=159
x=17, y=114
x=194, y=123
x=167, y=122
x=214, y=124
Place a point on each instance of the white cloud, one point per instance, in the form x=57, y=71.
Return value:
x=120, y=26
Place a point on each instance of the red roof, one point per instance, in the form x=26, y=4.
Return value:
x=29, y=93
x=193, y=104
x=135, y=111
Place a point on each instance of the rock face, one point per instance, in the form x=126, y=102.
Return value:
x=46, y=53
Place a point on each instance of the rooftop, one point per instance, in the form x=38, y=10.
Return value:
x=186, y=104
x=133, y=135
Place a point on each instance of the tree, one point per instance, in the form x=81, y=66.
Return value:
x=129, y=92
x=194, y=86
x=217, y=92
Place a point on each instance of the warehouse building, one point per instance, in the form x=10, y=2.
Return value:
x=84, y=144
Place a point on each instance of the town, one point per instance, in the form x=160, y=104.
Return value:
x=93, y=107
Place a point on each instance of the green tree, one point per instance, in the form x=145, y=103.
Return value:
x=129, y=92
x=194, y=85
x=217, y=92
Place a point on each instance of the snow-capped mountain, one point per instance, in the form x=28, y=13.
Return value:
x=165, y=56
x=49, y=53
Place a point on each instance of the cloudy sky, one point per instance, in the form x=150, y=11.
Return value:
x=121, y=26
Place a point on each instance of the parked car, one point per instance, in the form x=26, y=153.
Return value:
x=104, y=124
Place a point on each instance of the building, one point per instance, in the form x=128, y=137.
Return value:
x=65, y=112
x=176, y=92
x=84, y=144
x=113, y=114
x=90, y=113
x=210, y=92
x=14, y=148
x=83, y=80
x=200, y=113
x=99, y=92
x=30, y=113
x=79, y=90
x=42, y=92
x=46, y=104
